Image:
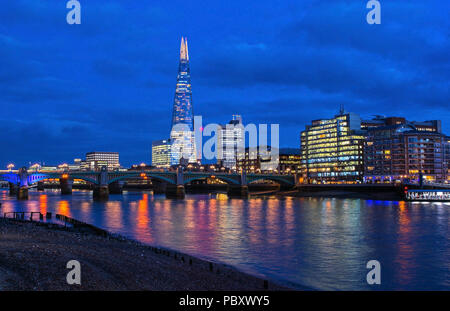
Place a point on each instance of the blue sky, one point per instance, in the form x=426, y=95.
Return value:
x=108, y=84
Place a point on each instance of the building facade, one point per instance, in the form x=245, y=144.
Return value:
x=260, y=159
x=400, y=152
x=161, y=156
x=182, y=130
x=447, y=159
x=96, y=160
x=230, y=142
x=332, y=150
x=289, y=162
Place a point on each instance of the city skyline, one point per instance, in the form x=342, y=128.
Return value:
x=65, y=96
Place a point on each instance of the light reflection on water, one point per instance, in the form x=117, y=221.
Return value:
x=318, y=243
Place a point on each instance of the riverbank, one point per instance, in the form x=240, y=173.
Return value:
x=33, y=256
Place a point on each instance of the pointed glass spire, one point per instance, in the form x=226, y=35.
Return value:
x=184, y=54
x=182, y=107
x=182, y=131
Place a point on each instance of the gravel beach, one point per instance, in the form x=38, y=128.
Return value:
x=34, y=257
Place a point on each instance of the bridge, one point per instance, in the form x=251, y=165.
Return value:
x=106, y=182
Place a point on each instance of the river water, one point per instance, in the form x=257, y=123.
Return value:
x=318, y=243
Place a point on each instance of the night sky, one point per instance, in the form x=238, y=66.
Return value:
x=108, y=84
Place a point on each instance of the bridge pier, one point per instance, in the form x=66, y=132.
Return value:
x=159, y=187
x=175, y=191
x=116, y=187
x=13, y=189
x=237, y=191
x=66, y=185
x=101, y=193
x=22, y=194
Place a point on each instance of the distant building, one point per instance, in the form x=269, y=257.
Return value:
x=289, y=161
x=229, y=138
x=140, y=167
x=161, y=157
x=96, y=160
x=84, y=166
x=332, y=150
x=48, y=168
x=423, y=126
x=258, y=160
x=400, y=151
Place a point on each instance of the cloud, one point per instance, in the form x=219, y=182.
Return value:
x=114, y=69
x=402, y=62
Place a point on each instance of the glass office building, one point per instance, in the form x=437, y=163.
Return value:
x=230, y=140
x=332, y=150
x=161, y=153
x=96, y=160
x=182, y=130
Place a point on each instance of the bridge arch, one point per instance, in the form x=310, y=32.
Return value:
x=88, y=179
x=34, y=178
x=222, y=178
x=10, y=177
x=138, y=174
x=37, y=177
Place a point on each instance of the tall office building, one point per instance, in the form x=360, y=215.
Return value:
x=230, y=142
x=96, y=160
x=332, y=150
x=161, y=153
x=182, y=131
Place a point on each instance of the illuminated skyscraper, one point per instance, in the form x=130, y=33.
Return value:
x=182, y=131
x=332, y=150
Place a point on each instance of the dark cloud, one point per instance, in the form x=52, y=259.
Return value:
x=114, y=69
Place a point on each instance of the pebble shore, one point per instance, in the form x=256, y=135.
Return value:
x=34, y=256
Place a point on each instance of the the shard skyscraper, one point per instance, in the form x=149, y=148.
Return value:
x=182, y=131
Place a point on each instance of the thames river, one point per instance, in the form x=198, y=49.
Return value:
x=318, y=243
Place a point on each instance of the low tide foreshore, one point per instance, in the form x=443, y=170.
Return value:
x=33, y=256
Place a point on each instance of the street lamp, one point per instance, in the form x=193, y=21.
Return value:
x=36, y=167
